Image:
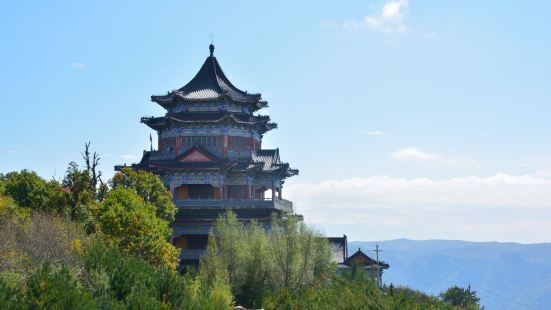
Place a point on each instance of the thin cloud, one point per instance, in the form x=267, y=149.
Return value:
x=414, y=154
x=78, y=65
x=390, y=18
x=10, y=152
x=373, y=133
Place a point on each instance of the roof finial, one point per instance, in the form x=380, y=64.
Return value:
x=211, y=49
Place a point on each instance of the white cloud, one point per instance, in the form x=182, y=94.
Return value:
x=389, y=18
x=373, y=133
x=10, y=152
x=413, y=154
x=501, y=207
x=127, y=157
x=78, y=65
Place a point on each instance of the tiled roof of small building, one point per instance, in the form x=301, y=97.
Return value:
x=363, y=259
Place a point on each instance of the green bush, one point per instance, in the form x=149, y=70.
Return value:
x=51, y=288
x=116, y=278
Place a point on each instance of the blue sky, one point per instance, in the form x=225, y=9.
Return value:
x=417, y=119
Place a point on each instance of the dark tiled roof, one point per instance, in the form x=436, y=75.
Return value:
x=210, y=83
x=366, y=260
x=262, y=122
x=263, y=161
x=217, y=116
x=272, y=162
x=268, y=158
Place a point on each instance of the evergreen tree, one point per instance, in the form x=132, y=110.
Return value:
x=461, y=298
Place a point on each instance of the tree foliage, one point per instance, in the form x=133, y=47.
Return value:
x=131, y=224
x=463, y=298
x=288, y=256
x=30, y=191
x=150, y=188
x=351, y=291
x=107, y=279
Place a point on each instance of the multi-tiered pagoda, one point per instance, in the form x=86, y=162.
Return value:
x=210, y=157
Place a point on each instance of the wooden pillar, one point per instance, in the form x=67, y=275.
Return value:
x=177, y=145
x=226, y=145
x=222, y=184
x=250, y=187
x=221, y=192
x=173, y=190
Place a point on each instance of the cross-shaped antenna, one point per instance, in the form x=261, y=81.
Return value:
x=377, y=250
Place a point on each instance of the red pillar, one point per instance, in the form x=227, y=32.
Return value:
x=225, y=145
x=177, y=145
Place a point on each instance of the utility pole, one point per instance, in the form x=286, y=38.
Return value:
x=377, y=250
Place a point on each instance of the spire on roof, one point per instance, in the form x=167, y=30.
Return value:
x=211, y=49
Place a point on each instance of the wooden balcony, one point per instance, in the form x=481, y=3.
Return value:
x=267, y=203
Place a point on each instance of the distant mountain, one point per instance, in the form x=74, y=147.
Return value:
x=505, y=275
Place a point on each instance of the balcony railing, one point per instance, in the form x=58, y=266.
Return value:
x=280, y=204
x=191, y=254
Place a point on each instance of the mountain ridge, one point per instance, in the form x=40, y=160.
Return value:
x=506, y=275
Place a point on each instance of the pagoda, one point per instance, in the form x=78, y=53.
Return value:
x=210, y=157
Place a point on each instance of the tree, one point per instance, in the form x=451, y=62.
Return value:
x=30, y=191
x=150, y=188
x=27, y=189
x=10, y=210
x=2, y=183
x=51, y=288
x=288, y=256
x=92, y=163
x=299, y=255
x=132, y=224
x=461, y=297
x=77, y=184
x=121, y=281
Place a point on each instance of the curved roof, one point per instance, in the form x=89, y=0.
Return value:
x=261, y=123
x=210, y=83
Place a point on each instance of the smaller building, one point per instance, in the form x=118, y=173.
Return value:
x=373, y=267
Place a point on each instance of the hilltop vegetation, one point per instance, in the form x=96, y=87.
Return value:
x=80, y=243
